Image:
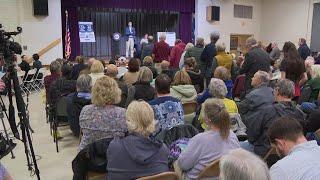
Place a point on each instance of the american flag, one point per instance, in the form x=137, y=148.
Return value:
x=67, y=48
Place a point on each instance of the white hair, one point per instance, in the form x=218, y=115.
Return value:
x=243, y=165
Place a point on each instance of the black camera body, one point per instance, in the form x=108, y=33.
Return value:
x=8, y=47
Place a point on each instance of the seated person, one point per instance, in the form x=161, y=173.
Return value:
x=136, y=155
x=165, y=69
x=96, y=71
x=301, y=157
x=206, y=147
x=37, y=65
x=76, y=69
x=196, y=78
x=24, y=66
x=62, y=86
x=77, y=100
x=256, y=113
x=102, y=119
x=112, y=71
x=131, y=76
x=142, y=90
x=167, y=109
x=313, y=123
x=148, y=62
x=182, y=87
x=223, y=74
x=284, y=106
x=314, y=84
x=243, y=165
x=218, y=89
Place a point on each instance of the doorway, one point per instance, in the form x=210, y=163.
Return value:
x=238, y=43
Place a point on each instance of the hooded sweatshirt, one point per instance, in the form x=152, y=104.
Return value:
x=185, y=93
x=136, y=156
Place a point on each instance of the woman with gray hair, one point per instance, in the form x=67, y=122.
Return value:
x=77, y=100
x=137, y=155
x=209, y=146
x=142, y=88
x=242, y=165
x=181, y=62
x=218, y=89
x=222, y=58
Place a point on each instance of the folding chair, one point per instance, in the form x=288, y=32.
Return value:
x=28, y=84
x=212, y=170
x=189, y=109
x=39, y=82
x=60, y=111
x=162, y=176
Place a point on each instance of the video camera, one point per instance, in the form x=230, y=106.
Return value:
x=8, y=47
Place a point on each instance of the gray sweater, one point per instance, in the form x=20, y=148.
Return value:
x=203, y=149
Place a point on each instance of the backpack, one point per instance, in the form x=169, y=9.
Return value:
x=305, y=94
x=175, y=149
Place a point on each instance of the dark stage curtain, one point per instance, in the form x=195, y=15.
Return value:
x=185, y=8
x=109, y=21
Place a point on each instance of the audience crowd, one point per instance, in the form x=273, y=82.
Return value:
x=136, y=102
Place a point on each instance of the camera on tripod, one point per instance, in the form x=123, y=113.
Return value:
x=8, y=47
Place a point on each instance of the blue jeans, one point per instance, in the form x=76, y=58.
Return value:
x=247, y=146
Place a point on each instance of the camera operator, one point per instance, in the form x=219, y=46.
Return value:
x=24, y=66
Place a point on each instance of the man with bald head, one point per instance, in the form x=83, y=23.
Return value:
x=112, y=71
x=256, y=59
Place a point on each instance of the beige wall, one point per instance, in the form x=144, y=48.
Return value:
x=38, y=31
x=273, y=20
x=228, y=24
x=286, y=20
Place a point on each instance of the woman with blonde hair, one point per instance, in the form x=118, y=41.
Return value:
x=136, y=155
x=208, y=146
x=182, y=87
x=102, y=119
x=96, y=71
x=142, y=88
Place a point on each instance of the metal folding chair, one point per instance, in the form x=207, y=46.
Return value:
x=29, y=83
x=39, y=82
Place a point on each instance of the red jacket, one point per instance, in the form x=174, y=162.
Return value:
x=175, y=54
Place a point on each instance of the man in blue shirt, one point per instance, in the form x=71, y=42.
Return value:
x=168, y=110
x=302, y=157
x=130, y=33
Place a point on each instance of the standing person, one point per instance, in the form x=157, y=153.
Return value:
x=24, y=66
x=181, y=62
x=130, y=33
x=147, y=49
x=303, y=49
x=176, y=53
x=207, y=56
x=222, y=58
x=161, y=51
x=275, y=52
x=37, y=65
x=292, y=67
x=196, y=51
x=256, y=59
x=144, y=39
x=301, y=157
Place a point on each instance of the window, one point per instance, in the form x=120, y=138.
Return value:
x=241, y=11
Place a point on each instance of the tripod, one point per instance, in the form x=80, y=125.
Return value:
x=24, y=121
x=3, y=108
